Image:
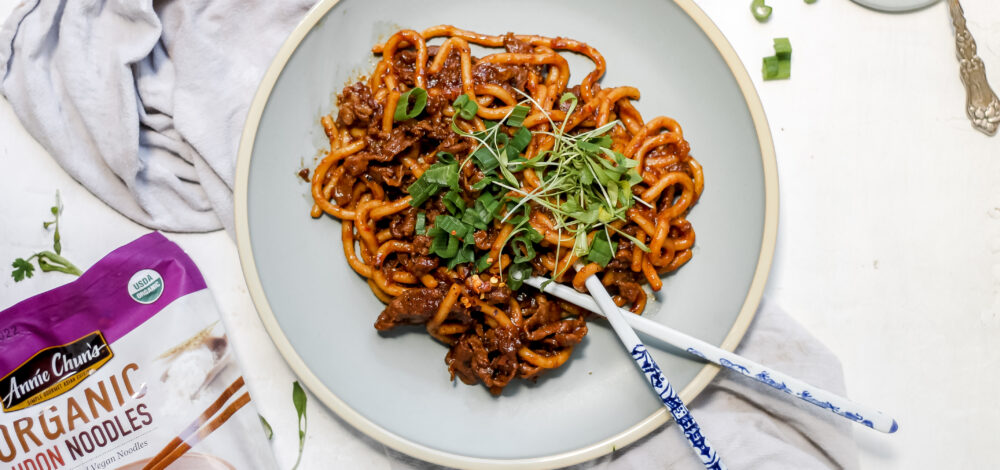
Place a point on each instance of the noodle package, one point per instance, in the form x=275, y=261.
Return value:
x=128, y=367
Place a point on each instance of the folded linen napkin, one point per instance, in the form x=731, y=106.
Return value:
x=143, y=104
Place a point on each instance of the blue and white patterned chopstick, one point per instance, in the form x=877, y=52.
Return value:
x=656, y=378
x=834, y=403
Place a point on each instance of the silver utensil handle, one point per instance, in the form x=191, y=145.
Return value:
x=981, y=103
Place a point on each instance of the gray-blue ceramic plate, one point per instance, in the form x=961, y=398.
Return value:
x=396, y=388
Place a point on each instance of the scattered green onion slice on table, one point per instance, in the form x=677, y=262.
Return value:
x=760, y=11
x=783, y=48
x=778, y=66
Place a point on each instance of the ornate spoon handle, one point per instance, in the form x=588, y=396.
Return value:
x=981, y=102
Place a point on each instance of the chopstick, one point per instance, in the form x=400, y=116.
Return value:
x=658, y=381
x=201, y=427
x=829, y=401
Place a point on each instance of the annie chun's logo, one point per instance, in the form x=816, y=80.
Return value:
x=53, y=371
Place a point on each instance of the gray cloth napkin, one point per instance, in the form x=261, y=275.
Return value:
x=144, y=103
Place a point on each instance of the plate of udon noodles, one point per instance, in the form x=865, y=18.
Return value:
x=406, y=166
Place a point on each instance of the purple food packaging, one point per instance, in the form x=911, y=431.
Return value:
x=120, y=366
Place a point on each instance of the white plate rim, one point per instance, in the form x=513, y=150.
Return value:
x=588, y=452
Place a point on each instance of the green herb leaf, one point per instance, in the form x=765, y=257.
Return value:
x=22, y=268
x=299, y=400
x=47, y=260
x=403, y=109
x=268, y=432
x=517, y=115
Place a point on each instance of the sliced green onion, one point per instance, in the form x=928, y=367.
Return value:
x=444, y=245
x=420, y=191
x=483, y=183
x=760, y=11
x=770, y=68
x=483, y=262
x=525, y=254
x=517, y=116
x=440, y=175
x=453, y=201
x=784, y=69
x=602, y=249
x=465, y=254
x=485, y=159
x=779, y=66
x=520, y=140
x=403, y=109
x=465, y=107
x=517, y=273
x=453, y=226
x=421, y=226
x=783, y=48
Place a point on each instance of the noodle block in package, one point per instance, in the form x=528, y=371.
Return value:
x=127, y=367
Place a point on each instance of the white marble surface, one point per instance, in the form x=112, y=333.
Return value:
x=888, y=246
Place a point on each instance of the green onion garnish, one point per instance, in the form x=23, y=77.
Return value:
x=465, y=107
x=585, y=186
x=760, y=11
x=403, y=109
x=778, y=66
x=783, y=48
x=517, y=116
x=443, y=174
x=770, y=68
x=421, y=225
x=602, y=250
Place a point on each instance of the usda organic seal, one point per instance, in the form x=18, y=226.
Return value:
x=145, y=286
